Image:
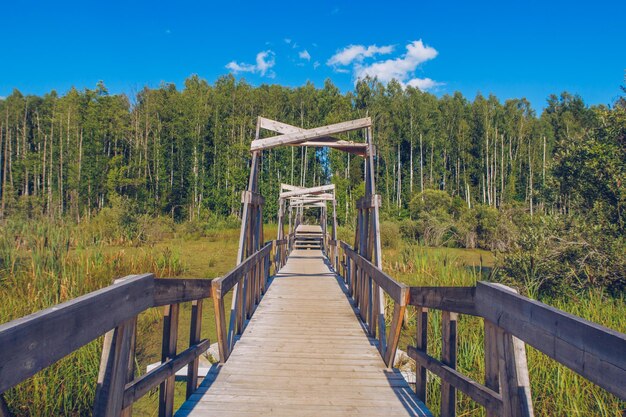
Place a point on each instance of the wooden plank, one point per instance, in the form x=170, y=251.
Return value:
x=32, y=343
x=113, y=374
x=391, y=286
x=304, y=349
x=448, y=358
x=195, y=330
x=168, y=351
x=321, y=189
x=180, y=290
x=491, y=361
x=250, y=197
x=142, y=385
x=228, y=281
x=368, y=202
x=421, y=345
x=456, y=299
x=220, y=325
x=482, y=395
x=309, y=134
x=593, y=351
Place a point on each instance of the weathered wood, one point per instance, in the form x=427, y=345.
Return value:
x=368, y=202
x=282, y=365
x=391, y=286
x=329, y=141
x=228, y=281
x=491, y=361
x=484, y=396
x=421, y=377
x=309, y=134
x=395, y=329
x=448, y=358
x=321, y=189
x=127, y=411
x=220, y=324
x=195, y=331
x=591, y=350
x=113, y=374
x=180, y=290
x=142, y=385
x=455, y=299
x=250, y=197
x=32, y=343
x=168, y=351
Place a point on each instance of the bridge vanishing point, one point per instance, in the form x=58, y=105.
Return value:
x=314, y=323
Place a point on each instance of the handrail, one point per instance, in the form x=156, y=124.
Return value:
x=363, y=280
x=34, y=342
x=593, y=351
x=250, y=280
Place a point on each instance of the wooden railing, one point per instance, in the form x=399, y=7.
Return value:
x=281, y=251
x=35, y=342
x=363, y=281
x=510, y=320
x=249, y=279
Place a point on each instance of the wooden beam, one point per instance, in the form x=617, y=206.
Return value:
x=396, y=290
x=195, y=334
x=448, y=358
x=454, y=299
x=369, y=202
x=311, y=190
x=139, y=387
x=252, y=198
x=180, y=290
x=284, y=128
x=168, y=351
x=309, y=134
x=32, y=343
x=113, y=375
x=591, y=350
x=482, y=395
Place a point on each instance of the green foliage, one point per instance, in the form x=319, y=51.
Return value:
x=560, y=255
x=389, y=234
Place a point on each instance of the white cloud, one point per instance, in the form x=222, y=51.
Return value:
x=265, y=60
x=357, y=53
x=316, y=64
x=423, y=83
x=305, y=55
x=287, y=40
x=235, y=67
x=398, y=68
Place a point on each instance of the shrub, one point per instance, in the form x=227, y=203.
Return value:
x=389, y=234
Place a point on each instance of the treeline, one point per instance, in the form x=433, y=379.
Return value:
x=185, y=152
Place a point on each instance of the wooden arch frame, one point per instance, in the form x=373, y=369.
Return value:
x=367, y=234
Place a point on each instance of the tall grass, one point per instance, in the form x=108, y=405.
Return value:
x=41, y=265
x=556, y=390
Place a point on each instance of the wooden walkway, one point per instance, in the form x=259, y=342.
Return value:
x=304, y=352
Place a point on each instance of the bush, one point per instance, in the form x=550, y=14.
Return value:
x=389, y=234
x=555, y=255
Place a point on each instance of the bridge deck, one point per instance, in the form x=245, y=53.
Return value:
x=304, y=352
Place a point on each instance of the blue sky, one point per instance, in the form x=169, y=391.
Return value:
x=511, y=49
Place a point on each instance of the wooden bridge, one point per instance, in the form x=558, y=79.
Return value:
x=314, y=323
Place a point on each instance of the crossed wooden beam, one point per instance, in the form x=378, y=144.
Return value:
x=316, y=137
x=307, y=197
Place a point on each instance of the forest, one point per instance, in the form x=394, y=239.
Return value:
x=546, y=191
